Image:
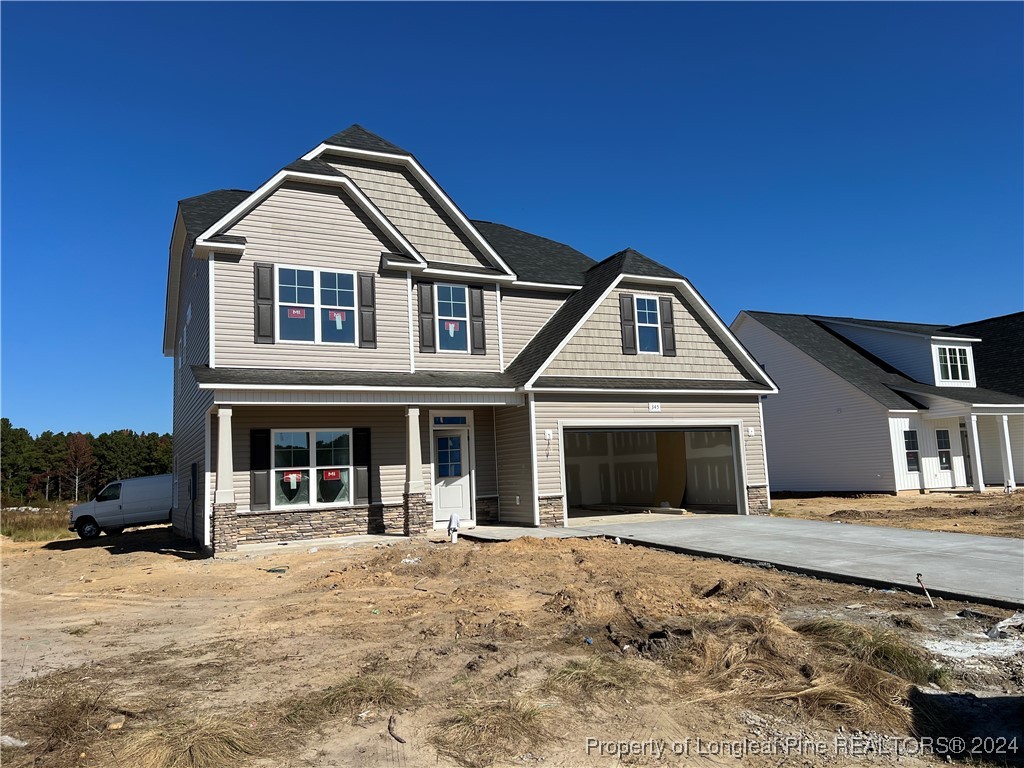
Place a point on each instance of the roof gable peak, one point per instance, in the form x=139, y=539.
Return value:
x=357, y=137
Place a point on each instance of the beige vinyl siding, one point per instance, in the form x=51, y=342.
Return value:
x=635, y=409
x=822, y=433
x=190, y=403
x=523, y=313
x=319, y=228
x=596, y=349
x=514, y=457
x=485, y=463
x=459, y=361
x=410, y=208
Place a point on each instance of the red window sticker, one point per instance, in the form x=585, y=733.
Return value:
x=293, y=478
x=452, y=326
x=337, y=315
x=296, y=313
x=332, y=474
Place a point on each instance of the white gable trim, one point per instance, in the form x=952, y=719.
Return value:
x=432, y=186
x=257, y=197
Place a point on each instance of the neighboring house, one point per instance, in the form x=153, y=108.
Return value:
x=353, y=354
x=868, y=405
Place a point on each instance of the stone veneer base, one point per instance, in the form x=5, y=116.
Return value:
x=551, y=513
x=757, y=501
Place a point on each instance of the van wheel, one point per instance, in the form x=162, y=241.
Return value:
x=113, y=531
x=87, y=528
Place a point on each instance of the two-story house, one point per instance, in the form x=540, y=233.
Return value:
x=868, y=405
x=353, y=354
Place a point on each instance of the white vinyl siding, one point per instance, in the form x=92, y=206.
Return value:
x=313, y=228
x=822, y=433
x=908, y=353
x=706, y=411
x=190, y=403
x=515, y=479
x=409, y=207
x=596, y=349
x=523, y=313
x=990, y=433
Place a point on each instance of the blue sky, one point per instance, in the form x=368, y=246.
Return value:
x=852, y=159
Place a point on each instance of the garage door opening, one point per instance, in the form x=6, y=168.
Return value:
x=631, y=470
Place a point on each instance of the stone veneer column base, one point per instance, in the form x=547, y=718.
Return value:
x=551, y=515
x=419, y=513
x=757, y=501
x=225, y=528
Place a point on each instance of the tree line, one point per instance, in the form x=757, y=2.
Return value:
x=73, y=466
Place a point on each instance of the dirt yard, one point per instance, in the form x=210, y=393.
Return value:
x=536, y=652
x=990, y=514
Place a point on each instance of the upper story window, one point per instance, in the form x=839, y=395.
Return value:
x=648, y=327
x=452, y=318
x=316, y=306
x=953, y=364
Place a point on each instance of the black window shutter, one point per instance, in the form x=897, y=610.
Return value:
x=477, y=337
x=426, y=297
x=367, y=311
x=628, y=318
x=361, y=465
x=668, y=328
x=259, y=469
x=264, y=305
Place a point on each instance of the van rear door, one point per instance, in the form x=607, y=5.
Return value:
x=108, y=507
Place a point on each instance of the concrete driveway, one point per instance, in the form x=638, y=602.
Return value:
x=954, y=565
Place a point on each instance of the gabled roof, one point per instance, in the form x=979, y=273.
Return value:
x=923, y=329
x=357, y=137
x=999, y=357
x=630, y=262
x=200, y=212
x=533, y=258
x=870, y=374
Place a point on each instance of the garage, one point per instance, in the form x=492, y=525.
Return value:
x=630, y=469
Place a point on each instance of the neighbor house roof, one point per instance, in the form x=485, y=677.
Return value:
x=870, y=374
x=924, y=329
x=999, y=356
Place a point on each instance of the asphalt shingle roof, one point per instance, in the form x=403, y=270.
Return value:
x=999, y=357
x=863, y=370
x=202, y=211
x=533, y=258
x=926, y=329
x=313, y=378
x=608, y=382
x=357, y=137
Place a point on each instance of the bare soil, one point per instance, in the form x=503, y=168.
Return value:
x=139, y=626
x=988, y=514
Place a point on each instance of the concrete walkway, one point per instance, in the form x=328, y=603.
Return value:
x=986, y=569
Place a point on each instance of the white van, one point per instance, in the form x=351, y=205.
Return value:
x=136, y=501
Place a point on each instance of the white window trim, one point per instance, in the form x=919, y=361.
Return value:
x=917, y=440
x=438, y=317
x=939, y=450
x=311, y=468
x=968, y=353
x=656, y=325
x=316, y=306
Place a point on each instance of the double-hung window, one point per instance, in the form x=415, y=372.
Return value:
x=942, y=443
x=953, y=365
x=316, y=306
x=912, y=451
x=452, y=318
x=648, y=327
x=311, y=467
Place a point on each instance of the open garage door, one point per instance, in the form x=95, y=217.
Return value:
x=691, y=468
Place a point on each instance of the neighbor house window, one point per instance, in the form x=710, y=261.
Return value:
x=953, y=365
x=311, y=467
x=913, y=454
x=945, y=456
x=316, y=306
x=452, y=318
x=648, y=328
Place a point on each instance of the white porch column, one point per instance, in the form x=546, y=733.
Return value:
x=972, y=435
x=1006, y=454
x=413, y=454
x=225, y=461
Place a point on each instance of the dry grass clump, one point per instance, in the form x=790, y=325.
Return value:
x=374, y=691
x=202, y=741
x=57, y=717
x=41, y=525
x=585, y=678
x=877, y=647
x=480, y=733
